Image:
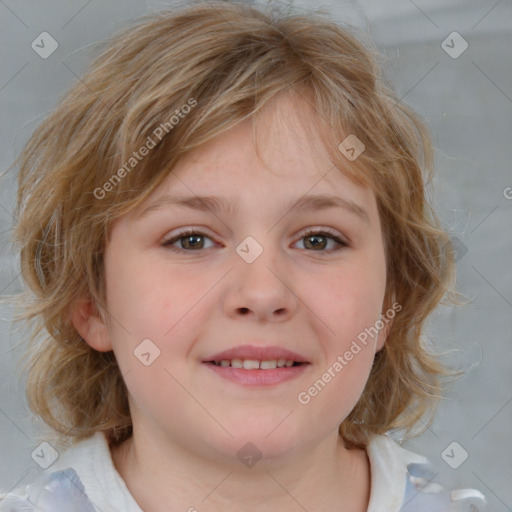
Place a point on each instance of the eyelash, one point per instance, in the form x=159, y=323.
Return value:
x=327, y=233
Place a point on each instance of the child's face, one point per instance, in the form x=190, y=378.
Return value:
x=303, y=294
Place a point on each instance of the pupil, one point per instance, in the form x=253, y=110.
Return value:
x=195, y=240
x=316, y=237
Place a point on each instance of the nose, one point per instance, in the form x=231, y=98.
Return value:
x=261, y=290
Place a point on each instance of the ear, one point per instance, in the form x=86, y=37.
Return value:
x=384, y=332
x=90, y=325
x=387, y=318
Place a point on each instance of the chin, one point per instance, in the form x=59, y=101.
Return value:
x=263, y=440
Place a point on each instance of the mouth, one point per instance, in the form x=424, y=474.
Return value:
x=251, y=365
x=255, y=364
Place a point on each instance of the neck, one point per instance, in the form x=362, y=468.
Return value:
x=163, y=476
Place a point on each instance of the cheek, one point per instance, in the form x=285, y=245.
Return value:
x=158, y=303
x=351, y=308
x=151, y=302
x=351, y=300
x=152, y=297
x=350, y=304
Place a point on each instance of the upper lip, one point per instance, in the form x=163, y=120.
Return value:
x=259, y=353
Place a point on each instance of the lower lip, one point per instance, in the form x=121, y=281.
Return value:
x=258, y=377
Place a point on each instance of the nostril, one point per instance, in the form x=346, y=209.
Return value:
x=244, y=311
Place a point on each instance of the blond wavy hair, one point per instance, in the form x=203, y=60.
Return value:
x=231, y=59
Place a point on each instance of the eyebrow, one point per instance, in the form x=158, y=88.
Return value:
x=220, y=204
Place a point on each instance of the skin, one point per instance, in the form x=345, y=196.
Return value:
x=188, y=422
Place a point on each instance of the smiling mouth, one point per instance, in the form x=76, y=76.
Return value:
x=255, y=364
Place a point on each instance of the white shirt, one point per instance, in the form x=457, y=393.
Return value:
x=84, y=479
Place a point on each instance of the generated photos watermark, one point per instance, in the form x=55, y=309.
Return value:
x=151, y=142
x=304, y=397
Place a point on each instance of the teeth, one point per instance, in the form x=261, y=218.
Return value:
x=251, y=364
x=254, y=364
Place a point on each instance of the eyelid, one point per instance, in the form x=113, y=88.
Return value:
x=327, y=231
x=341, y=240
x=167, y=239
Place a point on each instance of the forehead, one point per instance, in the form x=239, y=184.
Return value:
x=266, y=164
x=270, y=169
x=282, y=145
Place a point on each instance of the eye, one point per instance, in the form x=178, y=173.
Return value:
x=189, y=240
x=317, y=240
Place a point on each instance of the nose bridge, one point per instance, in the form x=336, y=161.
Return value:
x=258, y=262
x=259, y=284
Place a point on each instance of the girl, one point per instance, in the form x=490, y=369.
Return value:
x=226, y=237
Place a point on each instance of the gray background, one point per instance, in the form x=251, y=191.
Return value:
x=467, y=102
